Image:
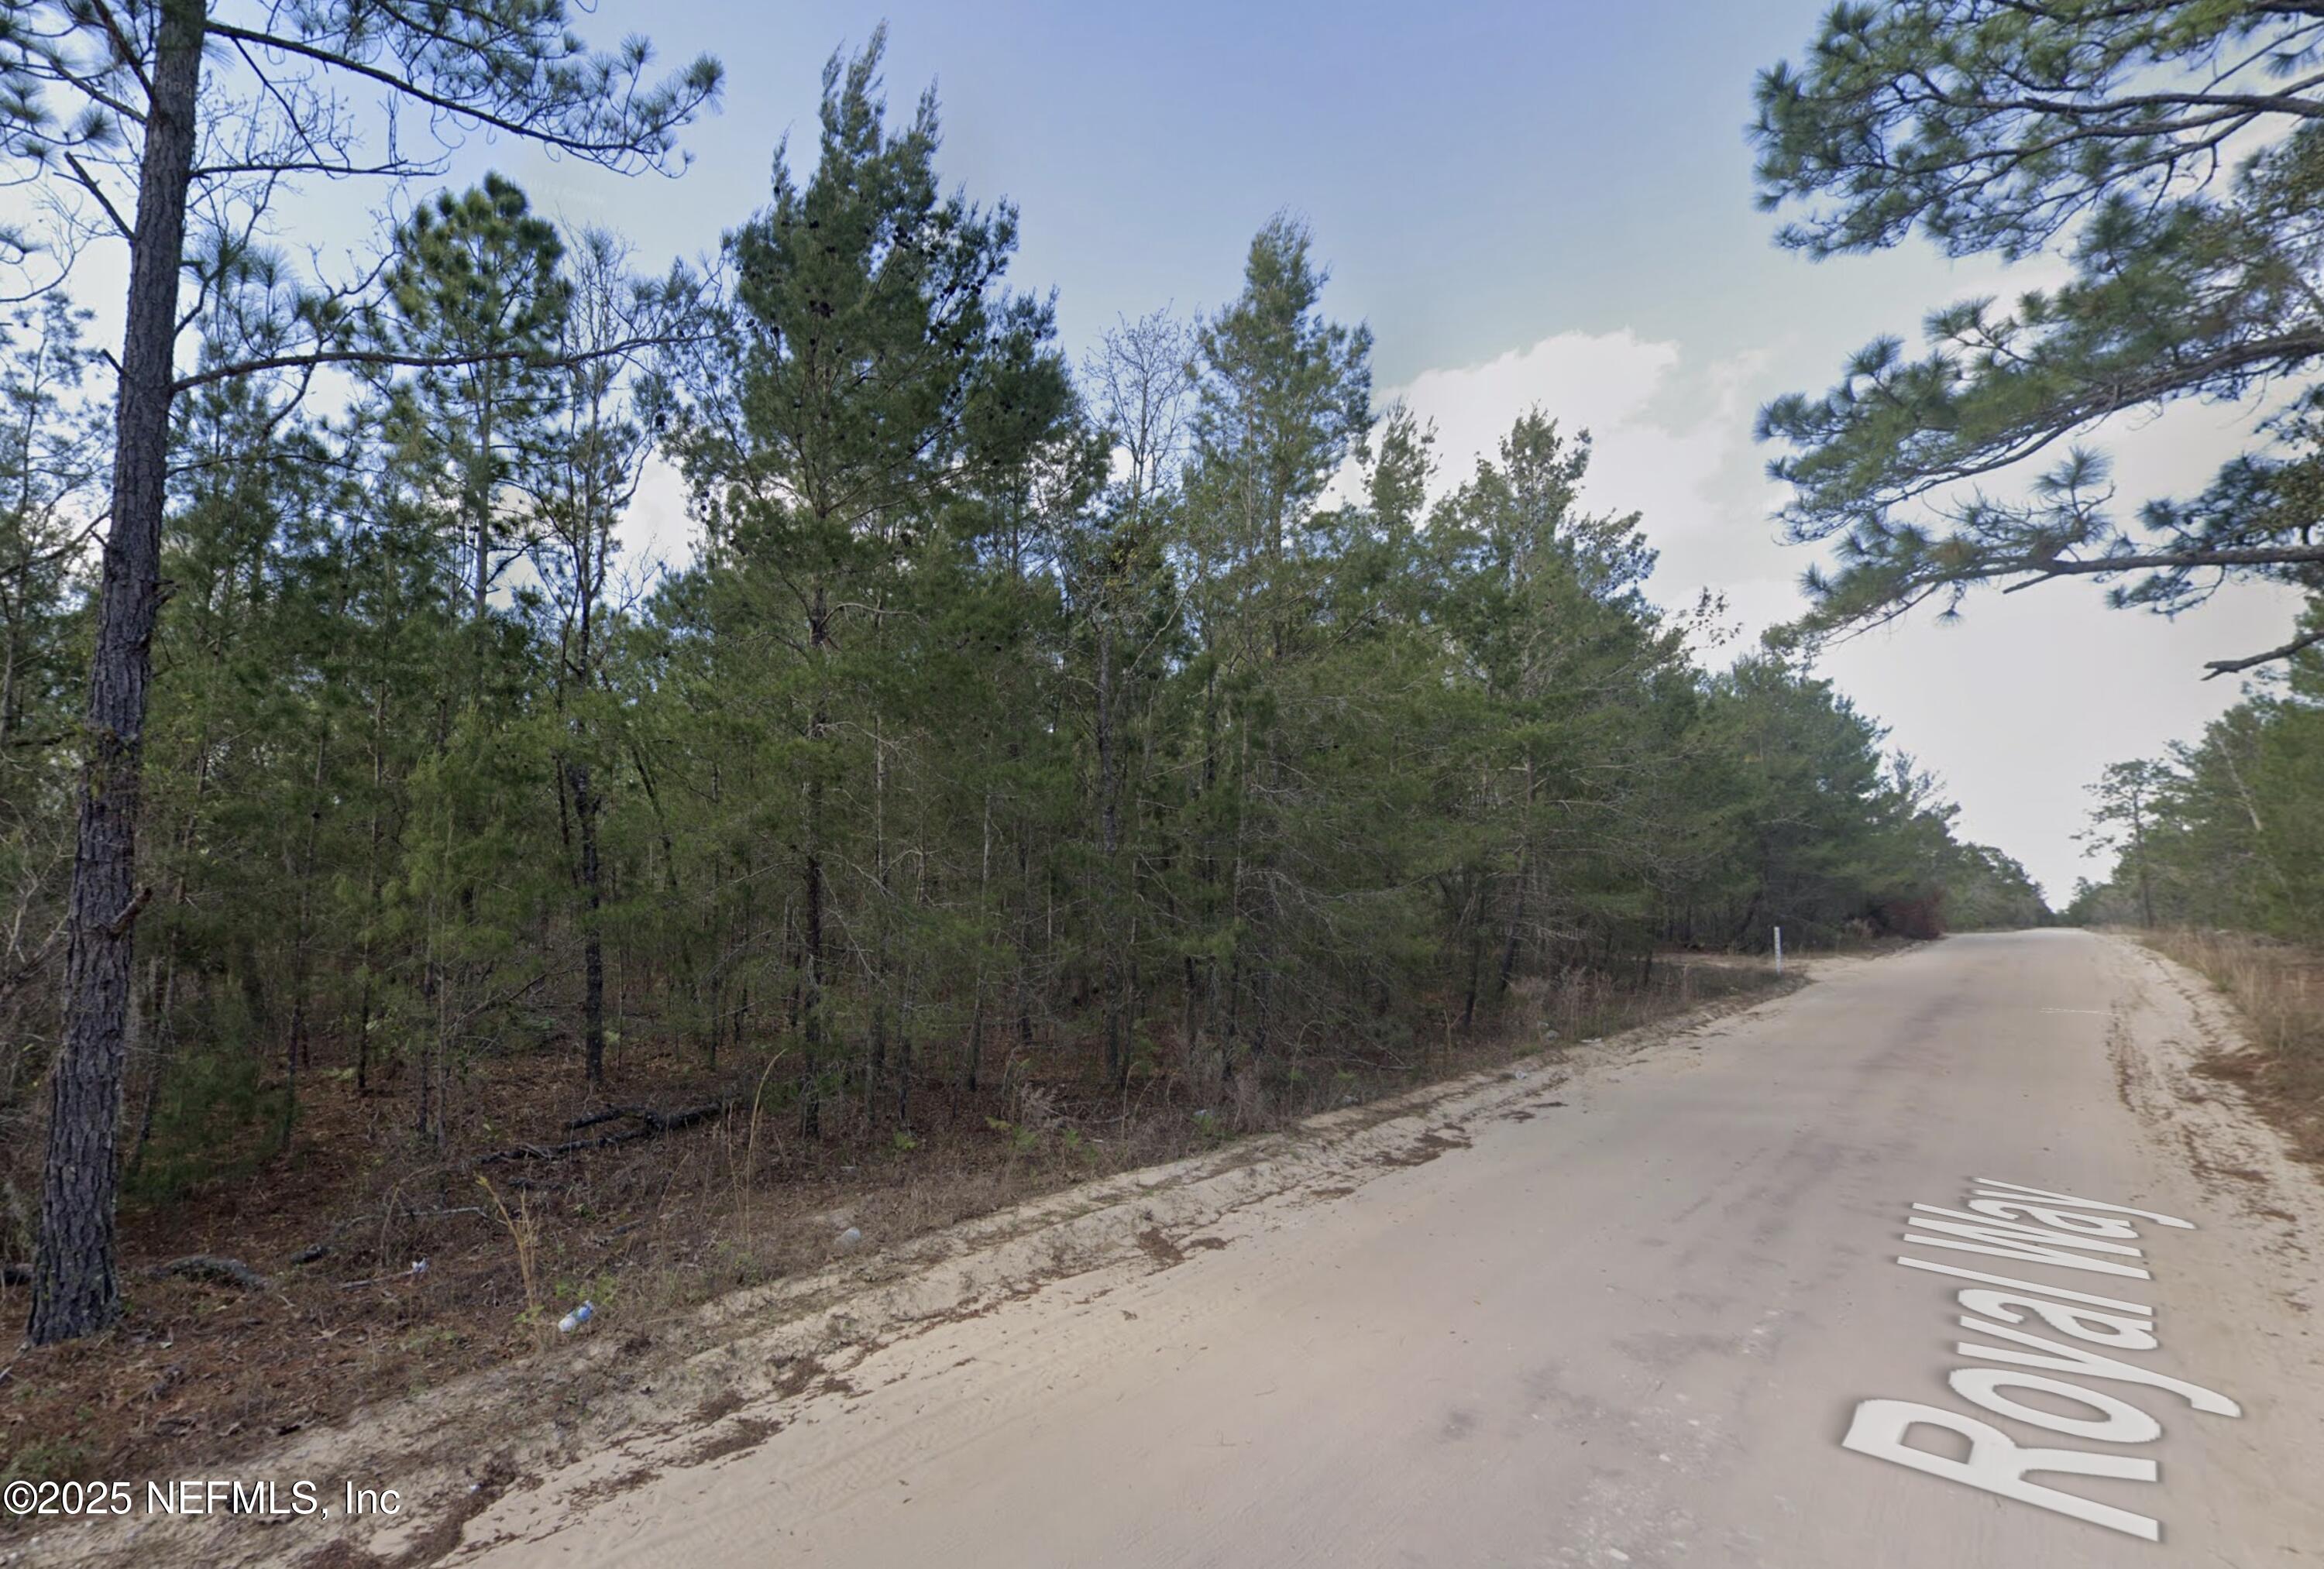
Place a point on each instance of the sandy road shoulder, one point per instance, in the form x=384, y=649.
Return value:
x=588, y=1415
x=2167, y=1025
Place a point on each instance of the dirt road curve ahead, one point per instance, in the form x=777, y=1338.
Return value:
x=1628, y=1324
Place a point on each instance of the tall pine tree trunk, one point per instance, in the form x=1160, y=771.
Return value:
x=297, y=1054
x=1117, y=1048
x=1524, y=886
x=75, y=1291
x=811, y=976
x=593, y=941
x=1517, y=928
x=373, y=890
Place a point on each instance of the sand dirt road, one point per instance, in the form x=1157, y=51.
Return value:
x=1630, y=1328
x=1616, y=1312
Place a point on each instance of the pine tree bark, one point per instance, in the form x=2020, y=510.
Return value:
x=1524, y=886
x=593, y=941
x=75, y=1289
x=812, y=891
x=1116, y=1048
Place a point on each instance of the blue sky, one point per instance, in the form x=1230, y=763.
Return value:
x=1482, y=175
x=1528, y=203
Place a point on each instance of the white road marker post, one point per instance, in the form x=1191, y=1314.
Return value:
x=1779, y=951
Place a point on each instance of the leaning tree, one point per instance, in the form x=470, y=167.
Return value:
x=168, y=127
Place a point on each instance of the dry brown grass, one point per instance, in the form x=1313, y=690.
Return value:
x=2278, y=991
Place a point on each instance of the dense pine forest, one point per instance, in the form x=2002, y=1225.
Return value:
x=2225, y=830
x=1156, y=716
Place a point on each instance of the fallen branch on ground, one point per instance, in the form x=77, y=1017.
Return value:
x=418, y=1268
x=649, y=1124
x=219, y=1272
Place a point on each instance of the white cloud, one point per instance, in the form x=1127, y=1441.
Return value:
x=1669, y=440
x=656, y=534
x=2018, y=707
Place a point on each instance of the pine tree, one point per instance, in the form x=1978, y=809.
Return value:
x=825, y=417
x=1140, y=380
x=584, y=489
x=1284, y=398
x=78, y=78
x=2172, y=152
x=51, y=458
